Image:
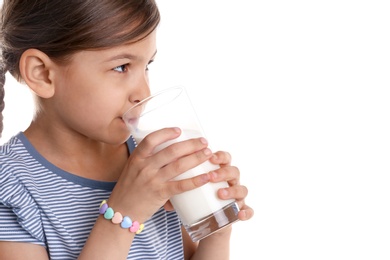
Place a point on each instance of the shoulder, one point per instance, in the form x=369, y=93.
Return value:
x=15, y=180
x=15, y=162
x=11, y=158
x=13, y=152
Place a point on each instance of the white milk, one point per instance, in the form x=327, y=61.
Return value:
x=192, y=206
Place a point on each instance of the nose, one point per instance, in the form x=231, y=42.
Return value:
x=139, y=91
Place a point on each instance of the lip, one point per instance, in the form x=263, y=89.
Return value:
x=130, y=121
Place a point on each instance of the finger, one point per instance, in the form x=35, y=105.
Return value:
x=185, y=164
x=180, y=186
x=245, y=213
x=148, y=145
x=182, y=156
x=237, y=192
x=231, y=174
x=221, y=158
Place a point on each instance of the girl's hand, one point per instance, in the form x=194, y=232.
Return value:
x=216, y=246
x=146, y=183
x=231, y=174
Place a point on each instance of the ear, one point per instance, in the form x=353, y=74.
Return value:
x=37, y=71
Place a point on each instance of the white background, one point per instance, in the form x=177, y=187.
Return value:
x=298, y=93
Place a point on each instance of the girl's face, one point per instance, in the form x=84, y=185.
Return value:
x=94, y=90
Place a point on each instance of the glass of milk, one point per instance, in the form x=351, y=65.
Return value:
x=200, y=210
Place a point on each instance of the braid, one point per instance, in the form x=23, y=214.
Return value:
x=2, y=92
x=3, y=70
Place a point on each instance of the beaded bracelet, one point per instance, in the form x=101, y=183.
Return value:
x=117, y=218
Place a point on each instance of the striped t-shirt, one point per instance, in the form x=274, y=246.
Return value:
x=44, y=205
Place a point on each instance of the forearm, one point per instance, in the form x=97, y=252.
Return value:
x=216, y=246
x=107, y=241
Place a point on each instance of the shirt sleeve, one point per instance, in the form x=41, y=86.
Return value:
x=11, y=230
x=20, y=217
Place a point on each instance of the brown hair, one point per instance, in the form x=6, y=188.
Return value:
x=60, y=28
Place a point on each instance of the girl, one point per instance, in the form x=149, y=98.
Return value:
x=87, y=63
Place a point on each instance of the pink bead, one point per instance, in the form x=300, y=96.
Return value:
x=117, y=218
x=134, y=228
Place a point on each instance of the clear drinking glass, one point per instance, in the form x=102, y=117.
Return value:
x=200, y=210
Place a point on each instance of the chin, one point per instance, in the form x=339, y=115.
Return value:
x=119, y=138
x=119, y=135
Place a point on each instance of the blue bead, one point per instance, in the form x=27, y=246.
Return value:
x=126, y=222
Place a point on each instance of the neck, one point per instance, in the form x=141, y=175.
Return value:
x=78, y=154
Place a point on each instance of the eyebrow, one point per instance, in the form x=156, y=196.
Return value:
x=128, y=56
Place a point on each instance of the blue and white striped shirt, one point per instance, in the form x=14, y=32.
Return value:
x=44, y=205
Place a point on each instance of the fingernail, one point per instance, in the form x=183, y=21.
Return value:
x=207, y=151
x=243, y=213
x=203, y=140
x=224, y=192
x=214, y=175
x=205, y=178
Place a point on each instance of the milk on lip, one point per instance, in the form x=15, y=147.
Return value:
x=193, y=205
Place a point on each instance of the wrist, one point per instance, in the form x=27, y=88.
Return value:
x=223, y=234
x=117, y=218
x=129, y=208
x=226, y=231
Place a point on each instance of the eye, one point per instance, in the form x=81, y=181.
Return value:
x=147, y=66
x=121, y=68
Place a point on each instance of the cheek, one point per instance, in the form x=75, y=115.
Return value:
x=87, y=107
x=89, y=94
x=91, y=117
x=91, y=99
x=99, y=108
